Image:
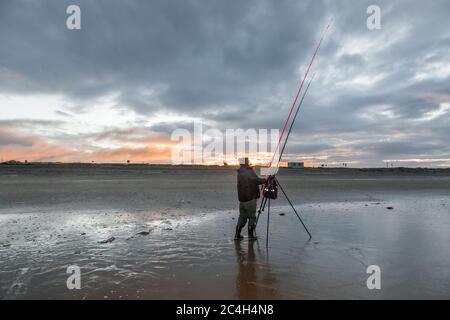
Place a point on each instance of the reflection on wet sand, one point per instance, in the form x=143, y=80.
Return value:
x=254, y=279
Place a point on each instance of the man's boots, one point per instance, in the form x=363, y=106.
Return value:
x=251, y=233
x=238, y=236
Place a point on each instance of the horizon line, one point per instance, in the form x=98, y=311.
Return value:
x=16, y=162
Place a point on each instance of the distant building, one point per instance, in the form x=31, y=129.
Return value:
x=296, y=165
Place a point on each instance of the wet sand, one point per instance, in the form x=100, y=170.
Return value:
x=52, y=217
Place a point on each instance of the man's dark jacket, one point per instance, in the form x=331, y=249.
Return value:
x=247, y=184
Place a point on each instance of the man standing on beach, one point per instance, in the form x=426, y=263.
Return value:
x=248, y=192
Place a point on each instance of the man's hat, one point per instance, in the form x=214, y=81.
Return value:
x=244, y=161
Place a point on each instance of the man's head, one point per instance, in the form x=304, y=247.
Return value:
x=244, y=161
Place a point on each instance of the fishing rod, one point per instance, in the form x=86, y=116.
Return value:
x=295, y=117
x=270, y=188
x=297, y=95
x=295, y=101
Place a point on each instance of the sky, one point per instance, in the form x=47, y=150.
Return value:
x=116, y=89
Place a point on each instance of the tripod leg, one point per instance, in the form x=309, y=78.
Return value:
x=267, y=235
x=298, y=216
x=261, y=209
x=262, y=206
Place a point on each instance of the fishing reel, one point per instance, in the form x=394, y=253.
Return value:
x=270, y=189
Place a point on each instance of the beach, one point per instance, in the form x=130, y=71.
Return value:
x=163, y=232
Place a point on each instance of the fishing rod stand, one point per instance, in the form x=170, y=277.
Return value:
x=270, y=190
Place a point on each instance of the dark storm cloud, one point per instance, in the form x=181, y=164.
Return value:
x=192, y=53
x=133, y=134
x=168, y=127
x=23, y=123
x=10, y=137
x=238, y=63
